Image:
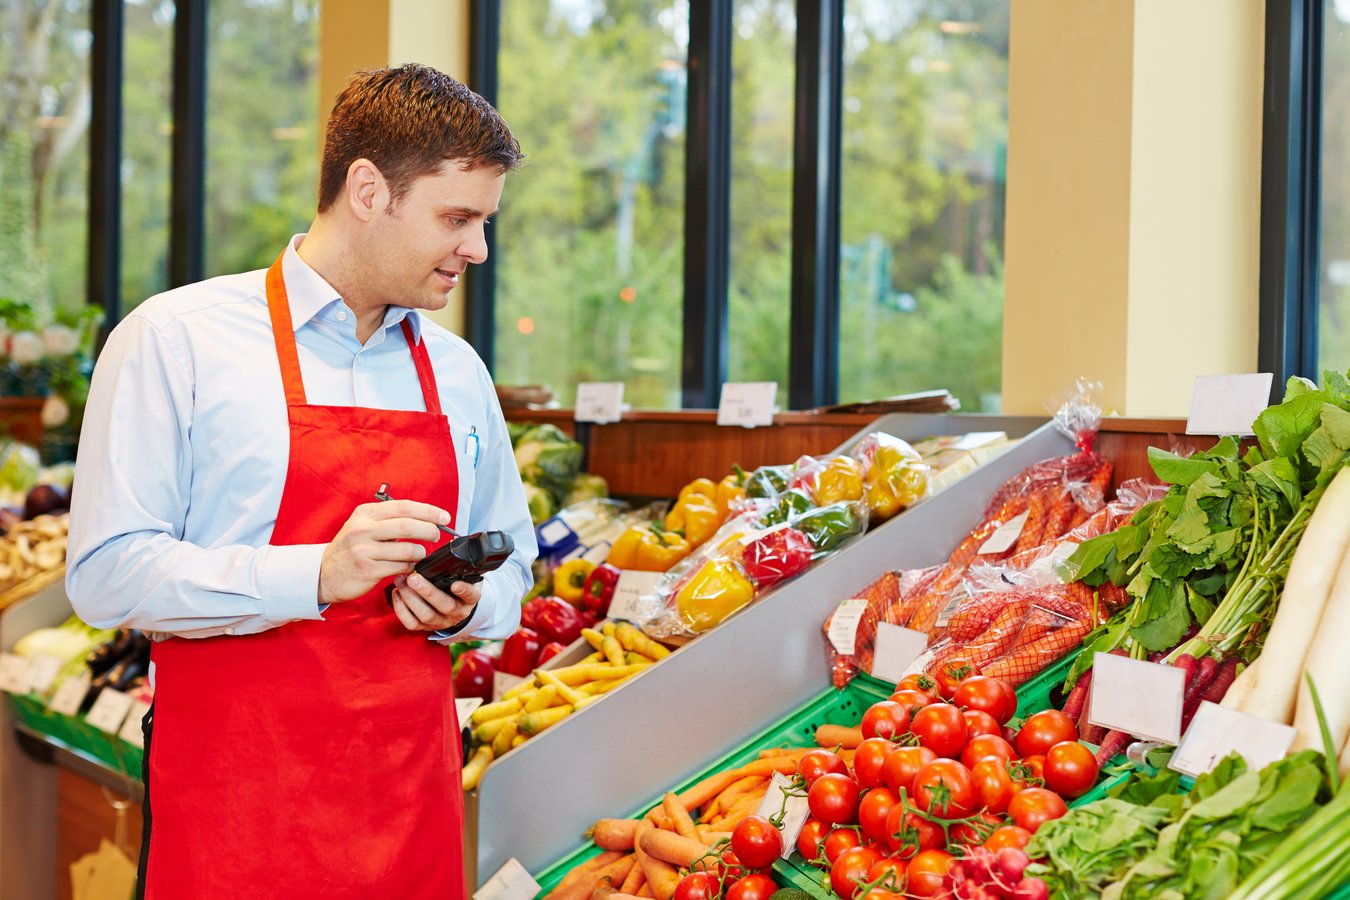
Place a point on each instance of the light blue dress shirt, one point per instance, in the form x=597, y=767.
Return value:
x=185, y=445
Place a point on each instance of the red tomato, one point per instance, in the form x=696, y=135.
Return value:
x=885, y=719
x=952, y=673
x=992, y=695
x=815, y=763
x=873, y=809
x=982, y=746
x=993, y=785
x=1032, y=808
x=1044, y=730
x=927, y=873
x=756, y=842
x=902, y=765
x=911, y=700
x=945, y=788
x=811, y=838
x=890, y=869
x=839, y=840
x=697, y=886
x=941, y=728
x=980, y=722
x=833, y=799
x=1028, y=773
x=850, y=870
x=973, y=832
x=869, y=759
x=1014, y=836
x=881, y=893
x=755, y=886
x=1070, y=769
x=924, y=684
x=908, y=833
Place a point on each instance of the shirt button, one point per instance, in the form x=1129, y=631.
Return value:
x=229, y=631
x=342, y=315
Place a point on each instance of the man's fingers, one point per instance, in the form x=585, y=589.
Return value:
x=396, y=551
x=404, y=615
x=421, y=610
x=403, y=529
x=407, y=509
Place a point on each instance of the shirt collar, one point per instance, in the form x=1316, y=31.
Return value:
x=309, y=294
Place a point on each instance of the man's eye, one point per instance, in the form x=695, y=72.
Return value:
x=459, y=223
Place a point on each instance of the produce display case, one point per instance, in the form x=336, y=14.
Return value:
x=729, y=682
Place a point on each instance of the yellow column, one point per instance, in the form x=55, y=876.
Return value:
x=366, y=34
x=1133, y=198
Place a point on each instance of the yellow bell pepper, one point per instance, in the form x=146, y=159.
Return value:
x=696, y=517
x=569, y=582
x=623, y=552
x=729, y=490
x=841, y=479
x=896, y=479
x=716, y=590
x=702, y=486
x=659, y=550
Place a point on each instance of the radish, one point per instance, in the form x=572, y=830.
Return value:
x=1269, y=687
x=1328, y=664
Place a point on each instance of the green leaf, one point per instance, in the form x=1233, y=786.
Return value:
x=1292, y=801
x=1229, y=799
x=1090, y=555
x=1143, y=790
x=1226, y=448
x=1297, y=386
x=1336, y=385
x=1201, y=607
x=1191, y=527
x=1169, y=617
x=1282, y=429
x=1174, y=469
x=1281, y=476
x=1229, y=768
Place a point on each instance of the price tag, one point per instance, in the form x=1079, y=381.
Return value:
x=554, y=533
x=598, y=554
x=69, y=696
x=13, y=673
x=896, y=648
x=977, y=439
x=109, y=711
x=503, y=682
x=1137, y=697
x=599, y=402
x=747, y=403
x=511, y=882
x=464, y=707
x=844, y=625
x=42, y=671
x=131, y=729
x=630, y=589
x=1228, y=404
x=1216, y=732
x=780, y=791
x=1005, y=535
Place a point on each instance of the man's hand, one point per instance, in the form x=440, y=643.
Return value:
x=374, y=544
x=421, y=606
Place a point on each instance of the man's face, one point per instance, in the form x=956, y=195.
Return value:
x=421, y=245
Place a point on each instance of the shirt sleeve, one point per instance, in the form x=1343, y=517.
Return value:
x=127, y=562
x=498, y=503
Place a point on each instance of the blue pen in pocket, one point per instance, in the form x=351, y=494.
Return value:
x=473, y=436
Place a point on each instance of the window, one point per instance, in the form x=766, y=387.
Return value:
x=589, y=249
x=1333, y=320
x=262, y=117
x=924, y=139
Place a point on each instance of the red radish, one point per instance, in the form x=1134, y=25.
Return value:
x=1031, y=888
x=1113, y=743
x=1011, y=863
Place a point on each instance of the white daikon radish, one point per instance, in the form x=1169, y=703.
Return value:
x=1345, y=760
x=1328, y=664
x=1268, y=688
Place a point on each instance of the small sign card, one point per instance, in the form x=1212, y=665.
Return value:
x=503, y=682
x=1228, y=404
x=600, y=402
x=131, y=728
x=1137, y=697
x=511, y=882
x=844, y=625
x=42, y=672
x=109, y=711
x=1005, y=535
x=13, y=673
x=629, y=590
x=69, y=696
x=896, y=648
x=1216, y=732
x=798, y=811
x=749, y=404
x=464, y=707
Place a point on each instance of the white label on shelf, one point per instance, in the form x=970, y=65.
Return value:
x=598, y=554
x=797, y=810
x=1138, y=697
x=464, y=707
x=977, y=439
x=1216, y=732
x=1228, y=404
x=503, y=682
x=69, y=696
x=599, y=402
x=747, y=403
x=554, y=531
x=42, y=672
x=844, y=625
x=896, y=648
x=131, y=728
x=632, y=585
x=109, y=711
x=511, y=882
x=1005, y=535
x=13, y=673
x=958, y=596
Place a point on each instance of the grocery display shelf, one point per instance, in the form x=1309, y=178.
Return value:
x=52, y=750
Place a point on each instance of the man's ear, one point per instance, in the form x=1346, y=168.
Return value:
x=367, y=191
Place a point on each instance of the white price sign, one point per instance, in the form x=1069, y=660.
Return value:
x=13, y=673
x=632, y=586
x=1138, y=697
x=748, y=404
x=780, y=797
x=843, y=631
x=109, y=711
x=464, y=707
x=131, y=728
x=511, y=882
x=42, y=671
x=503, y=682
x=1228, y=404
x=69, y=696
x=1216, y=732
x=1005, y=535
x=599, y=402
x=896, y=648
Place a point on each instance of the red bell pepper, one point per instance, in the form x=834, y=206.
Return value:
x=520, y=652
x=473, y=675
x=777, y=556
x=599, y=589
x=548, y=651
x=557, y=620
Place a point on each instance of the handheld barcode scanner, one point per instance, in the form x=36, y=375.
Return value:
x=466, y=558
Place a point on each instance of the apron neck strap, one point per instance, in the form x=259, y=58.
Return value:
x=279, y=308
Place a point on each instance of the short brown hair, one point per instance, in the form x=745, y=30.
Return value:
x=408, y=120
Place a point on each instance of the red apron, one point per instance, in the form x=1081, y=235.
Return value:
x=320, y=758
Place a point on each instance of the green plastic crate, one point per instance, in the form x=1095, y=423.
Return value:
x=1043, y=691
x=78, y=735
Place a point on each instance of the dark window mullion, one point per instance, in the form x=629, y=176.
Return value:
x=813, y=363
x=481, y=287
x=103, y=277
x=707, y=217
x=187, y=212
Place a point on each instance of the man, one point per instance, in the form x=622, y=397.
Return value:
x=303, y=741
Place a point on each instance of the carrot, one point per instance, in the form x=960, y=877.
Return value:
x=590, y=865
x=790, y=752
x=745, y=807
x=583, y=886
x=710, y=836
x=1112, y=744
x=670, y=847
x=1025, y=659
x=613, y=834
x=634, y=881
x=646, y=890
x=662, y=877
x=1076, y=702
x=724, y=800
x=838, y=736
x=679, y=816
x=623, y=895
x=1218, y=688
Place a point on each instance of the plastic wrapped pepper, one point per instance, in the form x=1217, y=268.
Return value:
x=896, y=479
x=599, y=590
x=715, y=591
x=768, y=481
x=695, y=516
x=777, y=555
x=730, y=490
x=830, y=527
x=791, y=503
x=841, y=479
x=569, y=582
x=704, y=487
